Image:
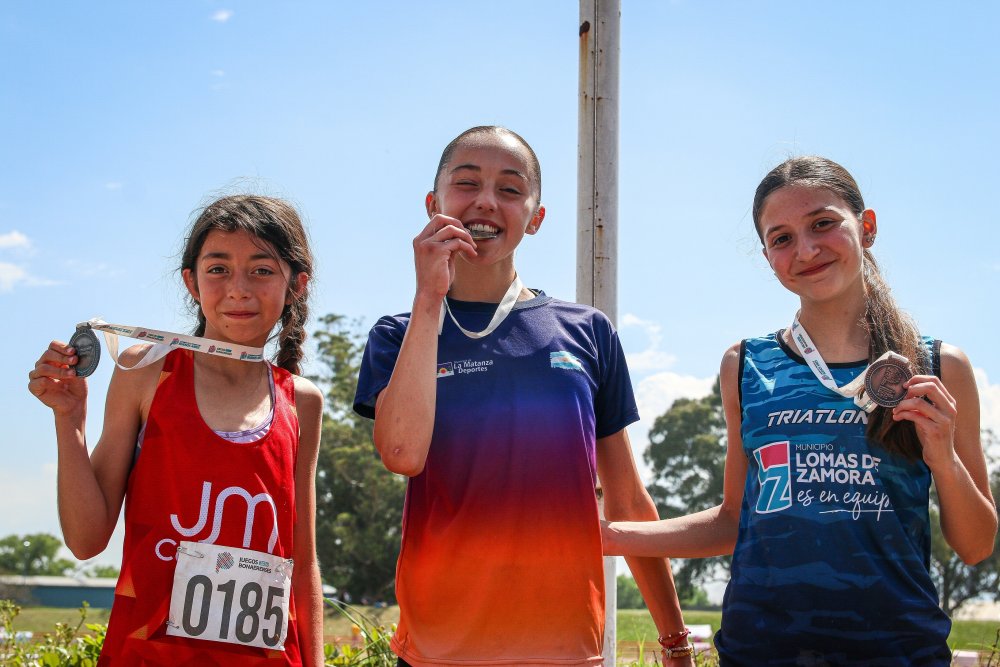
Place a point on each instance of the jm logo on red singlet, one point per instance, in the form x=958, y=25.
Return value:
x=251, y=503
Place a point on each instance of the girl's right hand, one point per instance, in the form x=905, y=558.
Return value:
x=434, y=251
x=609, y=541
x=54, y=382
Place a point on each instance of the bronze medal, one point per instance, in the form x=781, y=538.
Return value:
x=88, y=351
x=884, y=381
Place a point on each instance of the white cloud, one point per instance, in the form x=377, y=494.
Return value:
x=29, y=499
x=30, y=507
x=14, y=239
x=88, y=269
x=989, y=403
x=654, y=395
x=218, y=72
x=11, y=275
x=113, y=185
x=222, y=15
x=652, y=358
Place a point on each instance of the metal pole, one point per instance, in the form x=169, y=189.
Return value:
x=597, y=200
x=597, y=171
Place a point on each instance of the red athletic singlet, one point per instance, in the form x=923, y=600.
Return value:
x=191, y=484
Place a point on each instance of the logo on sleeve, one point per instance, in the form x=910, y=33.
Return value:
x=566, y=360
x=774, y=475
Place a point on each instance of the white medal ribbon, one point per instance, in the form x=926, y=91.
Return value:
x=225, y=594
x=503, y=310
x=165, y=341
x=855, y=389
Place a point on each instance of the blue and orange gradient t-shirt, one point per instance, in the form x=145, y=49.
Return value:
x=501, y=549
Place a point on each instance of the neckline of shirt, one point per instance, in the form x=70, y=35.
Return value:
x=539, y=299
x=797, y=358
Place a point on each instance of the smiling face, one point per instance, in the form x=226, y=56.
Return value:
x=490, y=185
x=241, y=286
x=814, y=242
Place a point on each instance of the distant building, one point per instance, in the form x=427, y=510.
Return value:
x=58, y=591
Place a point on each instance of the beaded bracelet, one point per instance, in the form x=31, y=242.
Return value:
x=674, y=639
x=677, y=652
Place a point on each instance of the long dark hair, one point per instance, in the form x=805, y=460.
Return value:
x=278, y=227
x=889, y=328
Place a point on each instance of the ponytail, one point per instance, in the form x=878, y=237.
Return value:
x=890, y=329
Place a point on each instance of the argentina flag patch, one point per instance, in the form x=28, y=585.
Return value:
x=566, y=360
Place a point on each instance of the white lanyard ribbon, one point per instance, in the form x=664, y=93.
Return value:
x=165, y=341
x=503, y=310
x=854, y=389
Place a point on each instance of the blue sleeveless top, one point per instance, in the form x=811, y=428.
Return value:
x=831, y=565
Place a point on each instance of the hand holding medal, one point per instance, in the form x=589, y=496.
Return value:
x=51, y=381
x=435, y=250
x=54, y=380
x=934, y=412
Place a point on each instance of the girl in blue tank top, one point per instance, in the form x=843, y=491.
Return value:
x=832, y=447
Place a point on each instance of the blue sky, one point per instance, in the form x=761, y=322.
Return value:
x=121, y=118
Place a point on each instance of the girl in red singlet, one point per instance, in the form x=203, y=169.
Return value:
x=214, y=459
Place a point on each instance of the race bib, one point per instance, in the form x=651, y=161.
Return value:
x=231, y=595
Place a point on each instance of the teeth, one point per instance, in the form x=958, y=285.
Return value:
x=481, y=231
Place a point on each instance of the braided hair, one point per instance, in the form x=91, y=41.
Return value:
x=276, y=224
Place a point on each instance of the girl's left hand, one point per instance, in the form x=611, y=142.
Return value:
x=933, y=411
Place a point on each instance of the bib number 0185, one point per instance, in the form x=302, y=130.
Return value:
x=230, y=595
x=248, y=620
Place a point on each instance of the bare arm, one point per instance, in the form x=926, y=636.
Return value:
x=404, y=410
x=625, y=498
x=948, y=426
x=306, y=580
x=711, y=532
x=91, y=486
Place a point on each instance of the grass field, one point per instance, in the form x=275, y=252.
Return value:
x=634, y=625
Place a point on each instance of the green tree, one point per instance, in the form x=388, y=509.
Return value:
x=33, y=554
x=629, y=596
x=359, y=506
x=687, y=455
x=956, y=582
x=108, y=571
